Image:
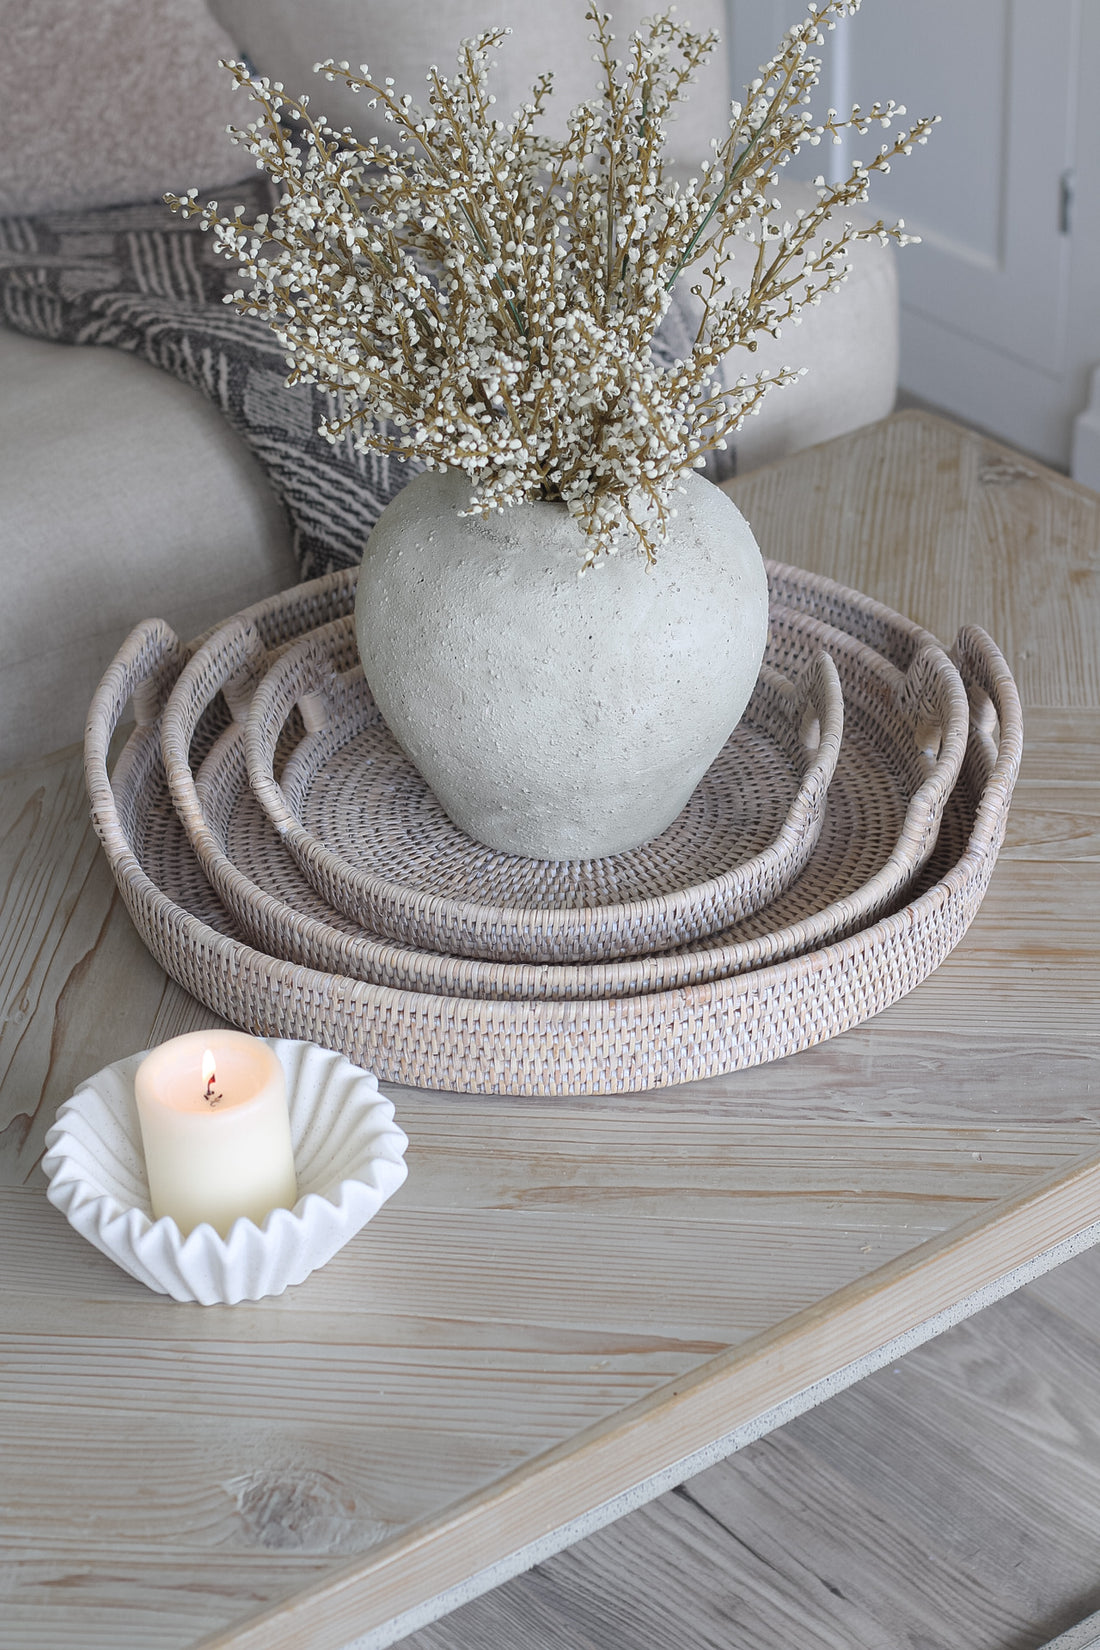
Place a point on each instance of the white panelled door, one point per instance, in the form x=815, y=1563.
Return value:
x=999, y=307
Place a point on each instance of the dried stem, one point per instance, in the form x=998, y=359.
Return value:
x=484, y=297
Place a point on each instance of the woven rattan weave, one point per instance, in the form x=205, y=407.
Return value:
x=372, y=839
x=541, y=1044
x=887, y=788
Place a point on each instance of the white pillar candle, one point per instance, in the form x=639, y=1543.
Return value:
x=217, y=1142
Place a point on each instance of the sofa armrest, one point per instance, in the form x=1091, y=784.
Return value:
x=123, y=495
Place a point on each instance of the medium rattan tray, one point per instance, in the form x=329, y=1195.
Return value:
x=542, y=1045
x=890, y=788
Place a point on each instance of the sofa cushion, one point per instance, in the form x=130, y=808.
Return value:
x=123, y=495
x=114, y=101
x=284, y=39
x=848, y=345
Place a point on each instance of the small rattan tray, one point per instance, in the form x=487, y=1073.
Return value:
x=371, y=838
x=543, y=1045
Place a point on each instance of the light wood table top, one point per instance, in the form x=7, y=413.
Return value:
x=569, y=1298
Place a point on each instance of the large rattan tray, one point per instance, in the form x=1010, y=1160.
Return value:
x=541, y=1045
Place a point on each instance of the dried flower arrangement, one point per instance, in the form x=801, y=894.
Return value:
x=485, y=298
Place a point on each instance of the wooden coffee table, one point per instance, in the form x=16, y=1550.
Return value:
x=572, y=1304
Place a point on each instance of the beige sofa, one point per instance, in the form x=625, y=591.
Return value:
x=123, y=494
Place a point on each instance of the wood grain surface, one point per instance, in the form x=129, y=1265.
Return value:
x=567, y=1295
x=949, y=1500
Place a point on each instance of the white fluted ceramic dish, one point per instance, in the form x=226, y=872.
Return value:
x=542, y=1046
x=348, y=1152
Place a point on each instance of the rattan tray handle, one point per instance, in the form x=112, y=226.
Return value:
x=144, y=671
x=996, y=728
x=246, y=658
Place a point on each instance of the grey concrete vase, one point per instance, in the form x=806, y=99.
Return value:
x=554, y=716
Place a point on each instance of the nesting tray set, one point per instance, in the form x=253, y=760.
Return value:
x=285, y=863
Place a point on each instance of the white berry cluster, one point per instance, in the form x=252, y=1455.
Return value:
x=486, y=298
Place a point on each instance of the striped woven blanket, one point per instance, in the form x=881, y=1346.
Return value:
x=140, y=279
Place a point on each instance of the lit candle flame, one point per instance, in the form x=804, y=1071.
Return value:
x=208, y=1071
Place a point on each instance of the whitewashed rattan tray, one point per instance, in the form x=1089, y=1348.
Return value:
x=891, y=789
x=545, y=1045
x=370, y=837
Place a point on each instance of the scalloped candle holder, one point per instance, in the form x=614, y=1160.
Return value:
x=348, y=1151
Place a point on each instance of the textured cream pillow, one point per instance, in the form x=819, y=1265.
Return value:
x=403, y=38
x=105, y=101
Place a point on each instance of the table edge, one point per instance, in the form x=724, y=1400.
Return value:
x=930, y=1285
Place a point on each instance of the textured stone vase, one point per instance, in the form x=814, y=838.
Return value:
x=554, y=716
